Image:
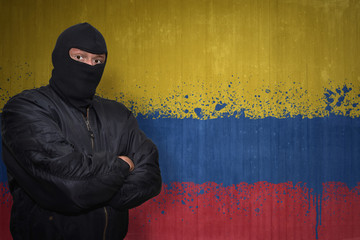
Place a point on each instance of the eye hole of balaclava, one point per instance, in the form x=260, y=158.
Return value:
x=76, y=82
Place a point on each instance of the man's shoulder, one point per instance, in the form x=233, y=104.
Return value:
x=35, y=92
x=32, y=96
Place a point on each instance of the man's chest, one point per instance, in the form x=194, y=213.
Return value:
x=91, y=133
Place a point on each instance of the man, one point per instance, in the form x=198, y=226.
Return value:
x=76, y=162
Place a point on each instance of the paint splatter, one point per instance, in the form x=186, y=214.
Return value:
x=12, y=84
x=342, y=101
x=242, y=98
x=220, y=106
x=234, y=95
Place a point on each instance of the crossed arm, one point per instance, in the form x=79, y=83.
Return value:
x=60, y=177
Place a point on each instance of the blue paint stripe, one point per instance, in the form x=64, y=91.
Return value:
x=3, y=176
x=233, y=150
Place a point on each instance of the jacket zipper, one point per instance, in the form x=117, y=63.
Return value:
x=106, y=223
x=92, y=137
x=87, y=122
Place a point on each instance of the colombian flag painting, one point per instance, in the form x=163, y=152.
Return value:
x=254, y=107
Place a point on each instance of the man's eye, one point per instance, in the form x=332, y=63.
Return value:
x=97, y=61
x=78, y=57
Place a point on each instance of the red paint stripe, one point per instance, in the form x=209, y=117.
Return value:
x=5, y=207
x=245, y=211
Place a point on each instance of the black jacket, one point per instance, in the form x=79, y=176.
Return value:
x=65, y=176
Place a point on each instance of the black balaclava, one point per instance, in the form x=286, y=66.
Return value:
x=75, y=81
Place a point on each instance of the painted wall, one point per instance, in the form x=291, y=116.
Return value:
x=254, y=106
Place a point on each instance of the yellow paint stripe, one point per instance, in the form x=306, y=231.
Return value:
x=261, y=58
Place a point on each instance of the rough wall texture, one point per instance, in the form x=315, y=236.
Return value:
x=254, y=106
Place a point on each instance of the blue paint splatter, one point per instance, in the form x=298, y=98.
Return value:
x=199, y=112
x=220, y=106
x=340, y=100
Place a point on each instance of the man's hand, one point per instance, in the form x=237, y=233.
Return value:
x=128, y=161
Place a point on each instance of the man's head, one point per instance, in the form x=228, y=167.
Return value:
x=79, y=59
